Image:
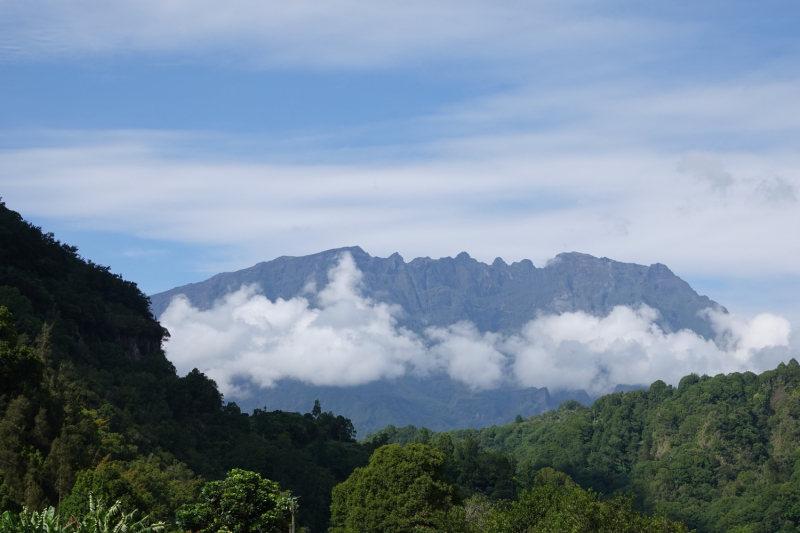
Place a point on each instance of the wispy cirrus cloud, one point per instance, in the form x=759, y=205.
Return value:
x=341, y=33
x=517, y=201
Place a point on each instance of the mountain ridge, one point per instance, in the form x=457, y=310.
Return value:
x=496, y=297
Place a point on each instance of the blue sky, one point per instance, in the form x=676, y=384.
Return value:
x=172, y=140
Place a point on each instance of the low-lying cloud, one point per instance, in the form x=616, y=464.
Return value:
x=577, y=350
x=346, y=340
x=337, y=336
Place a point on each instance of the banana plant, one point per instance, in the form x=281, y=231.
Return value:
x=113, y=520
x=31, y=522
x=99, y=520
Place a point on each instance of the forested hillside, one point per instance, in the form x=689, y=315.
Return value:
x=88, y=399
x=719, y=453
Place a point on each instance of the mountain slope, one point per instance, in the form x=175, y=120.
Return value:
x=496, y=297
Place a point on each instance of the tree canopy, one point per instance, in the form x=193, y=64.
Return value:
x=401, y=489
x=243, y=502
x=715, y=452
x=556, y=504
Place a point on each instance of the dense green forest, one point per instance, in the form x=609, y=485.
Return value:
x=720, y=453
x=89, y=402
x=407, y=488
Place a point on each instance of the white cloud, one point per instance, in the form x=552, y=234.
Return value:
x=303, y=32
x=467, y=355
x=347, y=339
x=776, y=190
x=576, y=350
x=507, y=197
x=706, y=168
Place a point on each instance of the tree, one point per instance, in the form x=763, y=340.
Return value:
x=555, y=503
x=424, y=436
x=146, y=484
x=244, y=502
x=20, y=368
x=400, y=490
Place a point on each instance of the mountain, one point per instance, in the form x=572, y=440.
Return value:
x=497, y=298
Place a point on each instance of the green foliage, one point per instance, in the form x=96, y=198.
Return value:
x=21, y=369
x=7, y=500
x=242, y=503
x=472, y=469
x=97, y=519
x=394, y=435
x=555, y=504
x=474, y=515
x=31, y=522
x=100, y=519
x=401, y=489
x=715, y=452
x=144, y=483
x=94, y=400
x=477, y=471
x=26, y=322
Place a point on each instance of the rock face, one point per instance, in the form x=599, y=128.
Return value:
x=496, y=297
x=439, y=292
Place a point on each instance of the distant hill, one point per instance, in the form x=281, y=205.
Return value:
x=437, y=403
x=439, y=292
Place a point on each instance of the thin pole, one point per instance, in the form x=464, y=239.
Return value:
x=292, y=515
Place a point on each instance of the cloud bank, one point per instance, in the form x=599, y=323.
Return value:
x=336, y=336
x=493, y=196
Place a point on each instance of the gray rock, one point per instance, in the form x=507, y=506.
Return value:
x=496, y=297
